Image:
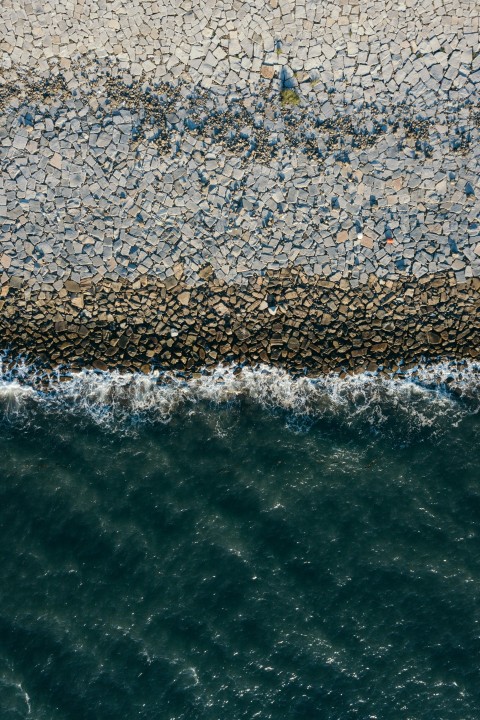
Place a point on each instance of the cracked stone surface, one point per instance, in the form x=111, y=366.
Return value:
x=155, y=139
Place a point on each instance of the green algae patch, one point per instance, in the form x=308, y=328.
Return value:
x=289, y=97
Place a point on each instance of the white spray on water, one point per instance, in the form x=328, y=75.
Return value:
x=426, y=392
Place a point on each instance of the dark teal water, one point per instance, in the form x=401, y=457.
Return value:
x=241, y=561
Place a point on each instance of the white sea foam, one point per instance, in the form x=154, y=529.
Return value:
x=423, y=393
x=14, y=695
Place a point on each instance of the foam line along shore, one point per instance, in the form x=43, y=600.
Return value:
x=425, y=397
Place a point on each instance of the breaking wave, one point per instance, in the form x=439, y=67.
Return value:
x=423, y=395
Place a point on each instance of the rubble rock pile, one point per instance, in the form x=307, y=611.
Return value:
x=156, y=157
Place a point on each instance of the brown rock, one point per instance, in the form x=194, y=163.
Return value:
x=433, y=337
x=178, y=270
x=221, y=309
x=170, y=282
x=99, y=365
x=242, y=333
x=184, y=298
x=56, y=161
x=205, y=272
x=367, y=242
x=78, y=302
x=267, y=71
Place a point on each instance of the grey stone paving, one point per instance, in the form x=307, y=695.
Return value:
x=155, y=138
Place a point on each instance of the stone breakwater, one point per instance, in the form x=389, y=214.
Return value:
x=153, y=152
x=106, y=179
x=303, y=323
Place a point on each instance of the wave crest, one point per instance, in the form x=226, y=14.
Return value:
x=422, y=394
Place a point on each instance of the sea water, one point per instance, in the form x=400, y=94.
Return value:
x=242, y=544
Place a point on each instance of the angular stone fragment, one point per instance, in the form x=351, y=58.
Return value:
x=184, y=298
x=56, y=161
x=434, y=338
x=205, y=272
x=367, y=242
x=100, y=365
x=267, y=71
x=78, y=302
x=170, y=282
